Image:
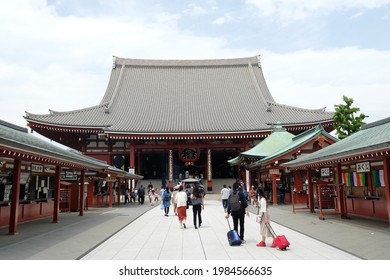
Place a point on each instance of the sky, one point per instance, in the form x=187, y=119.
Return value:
x=57, y=54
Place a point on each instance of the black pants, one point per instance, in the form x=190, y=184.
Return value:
x=239, y=218
x=225, y=204
x=197, y=211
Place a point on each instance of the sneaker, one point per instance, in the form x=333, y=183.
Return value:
x=243, y=241
x=261, y=244
x=195, y=227
x=273, y=244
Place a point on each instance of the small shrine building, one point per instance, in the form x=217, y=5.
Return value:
x=354, y=172
x=39, y=179
x=265, y=161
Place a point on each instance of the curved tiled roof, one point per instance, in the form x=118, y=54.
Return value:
x=296, y=142
x=185, y=96
x=15, y=141
x=373, y=140
x=273, y=143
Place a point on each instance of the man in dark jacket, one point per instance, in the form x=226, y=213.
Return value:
x=238, y=214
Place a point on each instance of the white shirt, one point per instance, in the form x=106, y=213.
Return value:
x=225, y=192
x=181, y=199
x=263, y=205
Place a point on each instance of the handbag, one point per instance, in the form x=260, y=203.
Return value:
x=259, y=218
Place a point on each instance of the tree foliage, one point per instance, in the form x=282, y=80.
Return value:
x=346, y=119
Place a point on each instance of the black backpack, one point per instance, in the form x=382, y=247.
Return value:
x=166, y=196
x=235, y=202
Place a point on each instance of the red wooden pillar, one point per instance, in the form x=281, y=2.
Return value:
x=81, y=189
x=209, y=171
x=386, y=172
x=57, y=190
x=170, y=168
x=132, y=157
x=274, y=190
x=310, y=190
x=119, y=192
x=90, y=191
x=13, y=218
x=110, y=192
x=341, y=192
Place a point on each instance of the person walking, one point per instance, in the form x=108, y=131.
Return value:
x=225, y=192
x=181, y=201
x=151, y=194
x=237, y=207
x=252, y=195
x=127, y=196
x=282, y=193
x=265, y=219
x=197, y=201
x=166, y=200
x=175, y=191
x=141, y=195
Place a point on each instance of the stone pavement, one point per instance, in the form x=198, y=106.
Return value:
x=134, y=232
x=156, y=237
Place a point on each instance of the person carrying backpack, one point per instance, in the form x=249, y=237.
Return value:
x=197, y=201
x=166, y=200
x=237, y=208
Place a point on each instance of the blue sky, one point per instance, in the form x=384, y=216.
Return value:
x=58, y=54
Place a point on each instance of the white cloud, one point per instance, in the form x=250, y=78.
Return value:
x=224, y=19
x=314, y=79
x=63, y=63
x=195, y=10
x=357, y=15
x=290, y=10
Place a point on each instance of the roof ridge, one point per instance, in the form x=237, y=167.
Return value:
x=256, y=84
x=114, y=94
x=52, y=112
x=321, y=110
x=13, y=126
x=376, y=123
x=253, y=60
x=319, y=129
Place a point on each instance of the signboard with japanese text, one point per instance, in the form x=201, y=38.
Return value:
x=363, y=167
x=38, y=168
x=274, y=171
x=325, y=172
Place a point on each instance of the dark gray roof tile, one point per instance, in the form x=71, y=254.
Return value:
x=185, y=96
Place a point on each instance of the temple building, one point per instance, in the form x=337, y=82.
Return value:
x=265, y=162
x=353, y=173
x=39, y=179
x=170, y=119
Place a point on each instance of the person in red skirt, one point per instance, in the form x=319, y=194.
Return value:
x=181, y=202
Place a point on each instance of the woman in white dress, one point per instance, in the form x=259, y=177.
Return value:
x=263, y=212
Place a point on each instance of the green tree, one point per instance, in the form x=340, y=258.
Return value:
x=346, y=119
